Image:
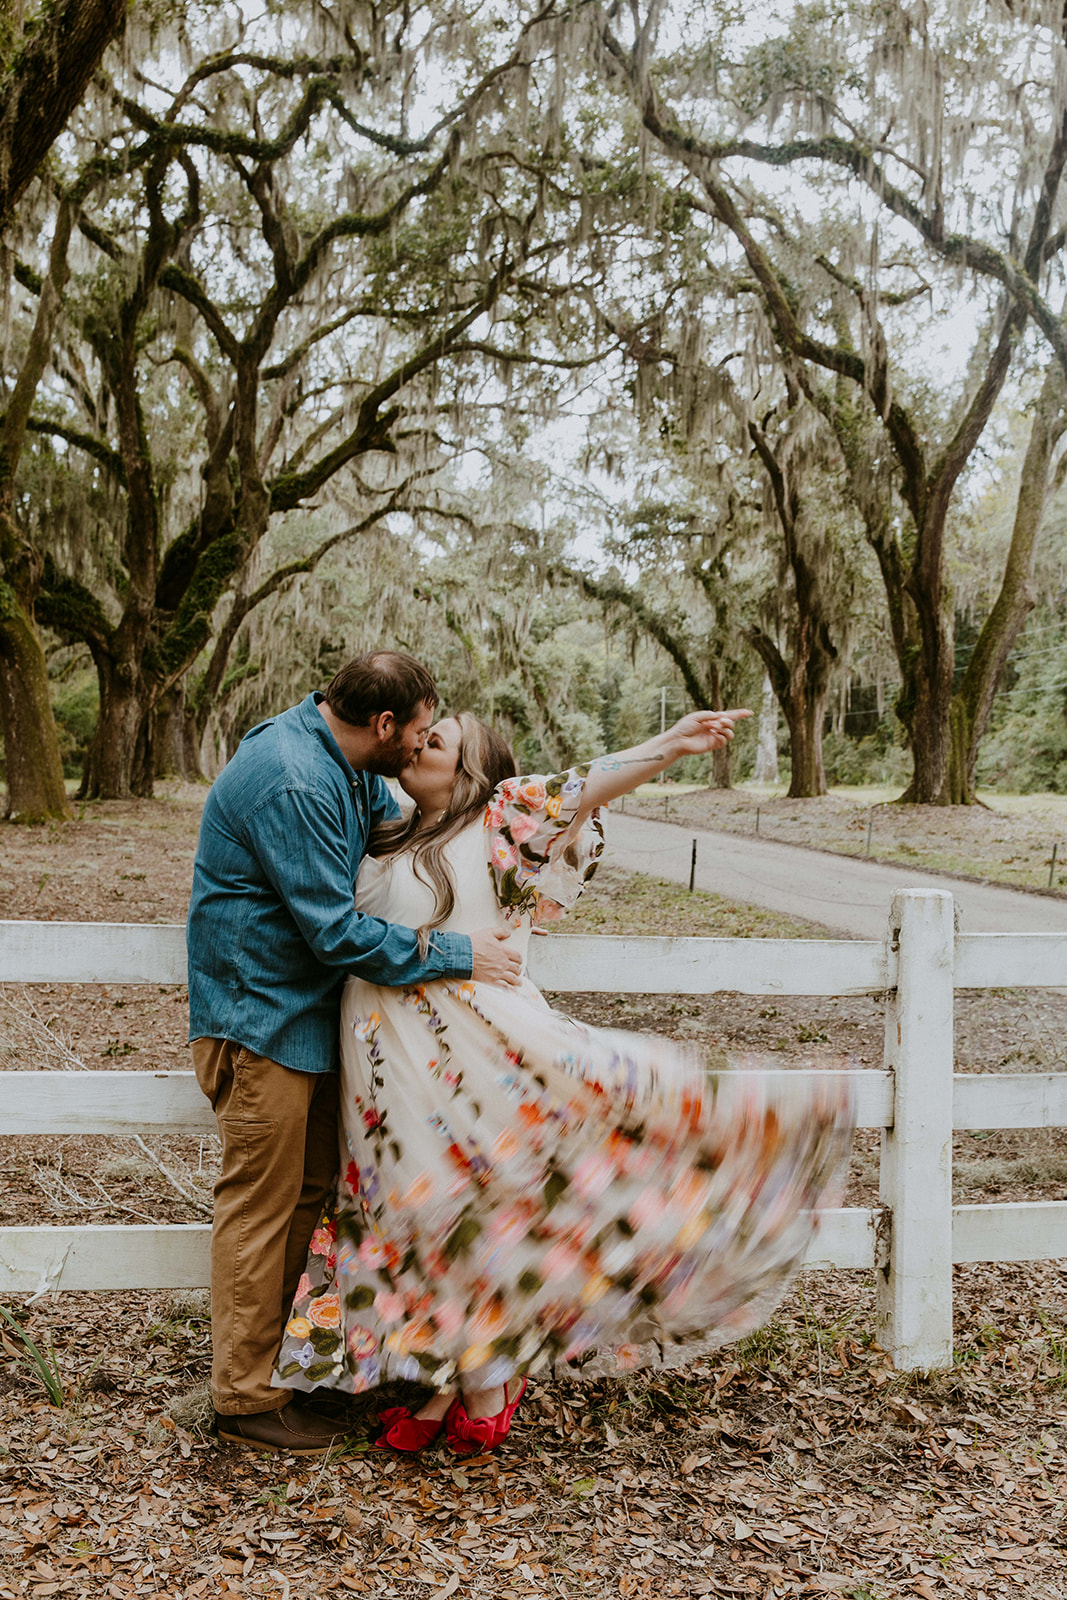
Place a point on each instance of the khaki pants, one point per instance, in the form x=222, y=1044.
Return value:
x=279, y=1162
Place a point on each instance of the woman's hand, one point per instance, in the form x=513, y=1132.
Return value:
x=701, y=731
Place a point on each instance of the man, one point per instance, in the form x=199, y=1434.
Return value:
x=272, y=935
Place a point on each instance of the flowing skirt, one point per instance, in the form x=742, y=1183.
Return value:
x=517, y=1189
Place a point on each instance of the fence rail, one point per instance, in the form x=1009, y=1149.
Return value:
x=910, y=1240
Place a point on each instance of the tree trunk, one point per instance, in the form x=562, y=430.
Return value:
x=973, y=702
x=118, y=763
x=767, y=743
x=31, y=745
x=192, y=738
x=804, y=712
x=47, y=79
x=925, y=704
x=169, y=742
x=721, y=774
x=35, y=789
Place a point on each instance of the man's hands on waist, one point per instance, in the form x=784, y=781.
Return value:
x=494, y=958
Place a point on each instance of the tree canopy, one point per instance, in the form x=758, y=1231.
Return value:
x=520, y=317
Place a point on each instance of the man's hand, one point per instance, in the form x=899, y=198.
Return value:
x=496, y=959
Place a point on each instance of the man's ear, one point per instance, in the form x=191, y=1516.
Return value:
x=384, y=725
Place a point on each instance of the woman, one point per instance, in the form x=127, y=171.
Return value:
x=517, y=1187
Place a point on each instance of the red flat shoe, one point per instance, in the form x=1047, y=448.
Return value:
x=468, y=1436
x=405, y=1432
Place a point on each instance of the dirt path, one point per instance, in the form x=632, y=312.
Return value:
x=845, y=894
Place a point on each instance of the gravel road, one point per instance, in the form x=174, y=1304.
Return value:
x=845, y=894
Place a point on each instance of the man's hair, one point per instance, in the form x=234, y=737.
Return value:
x=383, y=680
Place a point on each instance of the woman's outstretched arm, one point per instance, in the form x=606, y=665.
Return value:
x=618, y=773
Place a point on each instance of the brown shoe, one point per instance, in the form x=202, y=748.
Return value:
x=293, y=1430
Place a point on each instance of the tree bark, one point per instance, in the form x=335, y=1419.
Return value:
x=169, y=744
x=118, y=763
x=973, y=702
x=807, y=777
x=767, y=743
x=53, y=64
x=801, y=688
x=721, y=774
x=35, y=788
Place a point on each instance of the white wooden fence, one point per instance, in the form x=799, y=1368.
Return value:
x=910, y=1240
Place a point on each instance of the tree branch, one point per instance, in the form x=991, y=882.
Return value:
x=93, y=446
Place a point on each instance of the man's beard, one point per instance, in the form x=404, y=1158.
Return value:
x=391, y=761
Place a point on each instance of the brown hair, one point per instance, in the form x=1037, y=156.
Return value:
x=484, y=760
x=382, y=680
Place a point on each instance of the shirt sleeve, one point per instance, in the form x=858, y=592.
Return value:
x=539, y=858
x=383, y=807
x=300, y=842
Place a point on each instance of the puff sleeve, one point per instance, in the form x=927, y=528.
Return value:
x=539, y=859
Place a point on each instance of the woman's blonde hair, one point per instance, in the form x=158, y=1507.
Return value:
x=484, y=760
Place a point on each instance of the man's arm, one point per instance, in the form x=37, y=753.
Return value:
x=300, y=843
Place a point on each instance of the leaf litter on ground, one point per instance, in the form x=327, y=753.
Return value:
x=797, y=1463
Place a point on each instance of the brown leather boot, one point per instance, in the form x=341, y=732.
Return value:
x=293, y=1430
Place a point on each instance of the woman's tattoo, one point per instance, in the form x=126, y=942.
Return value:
x=613, y=763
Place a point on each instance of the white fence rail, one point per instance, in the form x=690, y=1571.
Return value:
x=910, y=1240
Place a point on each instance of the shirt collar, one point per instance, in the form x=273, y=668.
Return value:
x=315, y=723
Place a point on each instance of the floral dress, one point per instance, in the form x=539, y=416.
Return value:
x=517, y=1188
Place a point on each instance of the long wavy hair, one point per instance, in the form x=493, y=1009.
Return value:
x=484, y=760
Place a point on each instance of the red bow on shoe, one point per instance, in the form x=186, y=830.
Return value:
x=469, y=1436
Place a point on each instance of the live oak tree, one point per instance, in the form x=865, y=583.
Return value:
x=674, y=580
x=760, y=459
x=287, y=279
x=46, y=61
x=910, y=107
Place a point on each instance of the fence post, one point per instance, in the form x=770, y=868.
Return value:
x=915, y=1288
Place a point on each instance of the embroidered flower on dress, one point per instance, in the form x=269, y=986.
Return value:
x=389, y=1306
x=325, y=1311
x=418, y=1191
x=449, y=1316
x=522, y=828
x=503, y=855
x=323, y=1237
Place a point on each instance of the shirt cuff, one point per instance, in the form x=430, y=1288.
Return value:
x=454, y=952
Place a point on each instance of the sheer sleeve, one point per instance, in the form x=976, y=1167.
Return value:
x=539, y=859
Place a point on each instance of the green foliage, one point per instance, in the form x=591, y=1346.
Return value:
x=76, y=706
x=875, y=759
x=43, y=1364
x=1026, y=750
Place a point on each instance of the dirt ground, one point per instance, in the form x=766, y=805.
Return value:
x=1006, y=839
x=797, y=1463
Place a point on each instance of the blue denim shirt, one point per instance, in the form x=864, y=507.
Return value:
x=272, y=930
